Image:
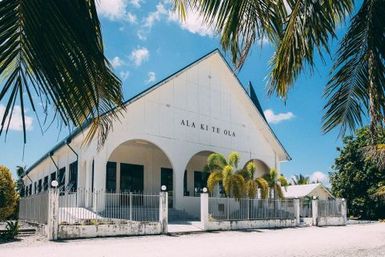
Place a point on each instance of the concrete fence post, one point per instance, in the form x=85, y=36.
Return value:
x=94, y=200
x=297, y=210
x=53, y=214
x=344, y=210
x=205, y=210
x=314, y=207
x=163, y=211
x=131, y=206
x=248, y=208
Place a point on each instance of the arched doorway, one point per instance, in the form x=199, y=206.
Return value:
x=261, y=168
x=139, y=166
x=195, y=178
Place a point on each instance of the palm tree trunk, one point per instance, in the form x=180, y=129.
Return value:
x=373, y=101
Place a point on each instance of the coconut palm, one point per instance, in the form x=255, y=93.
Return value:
x=300, y=29
x=236, y=182
x=51, y=53
x=300, y=180
x=276, y=182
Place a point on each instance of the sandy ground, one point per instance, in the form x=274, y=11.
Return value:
x=353, y=240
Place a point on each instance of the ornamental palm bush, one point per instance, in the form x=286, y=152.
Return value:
x=276, y=182
x=236, y=182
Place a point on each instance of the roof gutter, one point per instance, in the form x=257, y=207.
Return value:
x=69, y=146
x=53, y=161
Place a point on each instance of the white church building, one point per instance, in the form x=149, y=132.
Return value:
x=164, y=138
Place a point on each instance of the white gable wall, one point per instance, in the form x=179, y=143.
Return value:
x=206, y=94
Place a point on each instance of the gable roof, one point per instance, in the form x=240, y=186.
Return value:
x=300, y=191
x=252, y=96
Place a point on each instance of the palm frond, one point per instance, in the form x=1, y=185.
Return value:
x=213, y=179
x=251, y=188
x=53, y=50
x=237, y=188
x=300, y=180
x=234, y=159
x=226, y=180
x=310, y=25
x=263, y=186
x=357, y=85
x=278, y=191
x=283, y=181
x=216, y=161
x=240, y=23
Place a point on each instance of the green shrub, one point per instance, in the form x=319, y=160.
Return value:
x=8, y=194
x=12, y=229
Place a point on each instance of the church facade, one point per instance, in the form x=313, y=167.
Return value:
x=164, y=137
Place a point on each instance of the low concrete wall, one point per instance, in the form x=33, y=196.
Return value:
x=250, y=224
x=331, y=221
x=104, y=230
x=307, y=221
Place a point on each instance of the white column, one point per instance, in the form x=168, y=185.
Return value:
x=314, y=205
x=88, y=184
x=118, y=177
x=99, y=183
x=204, y=210
x=178, y=174
x=163, y=212
x=297, y=210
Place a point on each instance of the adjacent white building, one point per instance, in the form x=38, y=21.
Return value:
x=164, y=138
x=307, y=191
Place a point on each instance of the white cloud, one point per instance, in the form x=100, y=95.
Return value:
x=115, y=10
x=193, y=23
x=124, y=75
x=116, y=62
x=136, y=3
x=275, y=118
x=151, y=77
x=150, y=19
x=131, y=18
x=319, y=176
x=17, y=120
x=139, y=55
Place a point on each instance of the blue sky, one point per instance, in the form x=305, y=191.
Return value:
x=145, y=42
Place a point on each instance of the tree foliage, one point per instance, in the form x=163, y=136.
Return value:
x=300, y=180
x=51, y=53
x=301, y=31
x=356, y=178
x=8, y=194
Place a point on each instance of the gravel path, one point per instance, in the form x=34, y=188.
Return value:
x=353, y=240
